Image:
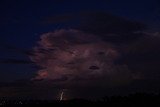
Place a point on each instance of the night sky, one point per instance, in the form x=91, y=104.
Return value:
x=87, y=48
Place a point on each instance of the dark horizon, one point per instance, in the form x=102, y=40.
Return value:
x=138, y=99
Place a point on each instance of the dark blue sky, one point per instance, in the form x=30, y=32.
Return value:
x=23, y=21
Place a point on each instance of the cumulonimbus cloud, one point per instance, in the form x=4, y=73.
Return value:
x=72, y=55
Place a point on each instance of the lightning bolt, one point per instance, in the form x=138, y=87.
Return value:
x=61, y=96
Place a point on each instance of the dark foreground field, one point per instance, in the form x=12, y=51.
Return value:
x=134, y=100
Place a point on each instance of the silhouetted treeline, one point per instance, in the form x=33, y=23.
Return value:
x=132, y=100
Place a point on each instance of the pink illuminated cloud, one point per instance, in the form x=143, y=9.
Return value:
x=77, y=56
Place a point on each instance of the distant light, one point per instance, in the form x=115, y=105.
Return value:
x=20, y=102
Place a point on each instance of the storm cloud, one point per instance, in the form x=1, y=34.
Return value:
x=101, y=51
x=70, y=55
